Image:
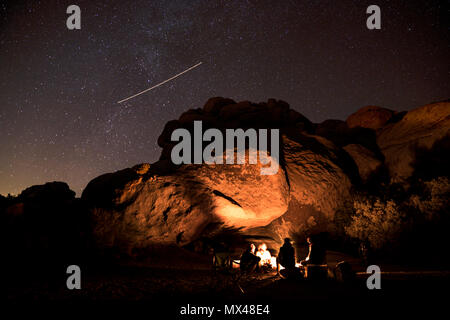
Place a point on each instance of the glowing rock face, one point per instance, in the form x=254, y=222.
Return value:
x=240, y=196
x=137, y=207
x=166, y=204
x=152, y=209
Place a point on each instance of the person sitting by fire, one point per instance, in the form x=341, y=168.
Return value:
x=316, y=254
x=249, y=261
x=286, y=258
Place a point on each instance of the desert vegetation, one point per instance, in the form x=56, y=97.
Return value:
x=399, y=222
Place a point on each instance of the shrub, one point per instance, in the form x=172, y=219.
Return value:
x=381, y=221
x=433, y=203
x=376, y=222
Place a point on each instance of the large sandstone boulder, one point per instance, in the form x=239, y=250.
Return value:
x=315, y=177
x=319, y=165
x=149, y=208
x=144, y=205
x=242, y=197
x=366, y=160
x=370, y=117
x=419, y=128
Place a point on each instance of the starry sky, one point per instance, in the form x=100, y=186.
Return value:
x=59, y=117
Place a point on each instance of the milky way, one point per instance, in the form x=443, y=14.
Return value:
x=59, y=117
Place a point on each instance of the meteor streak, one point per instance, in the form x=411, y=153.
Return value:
x=161, y=83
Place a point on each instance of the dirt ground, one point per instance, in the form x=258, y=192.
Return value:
x=167, y=284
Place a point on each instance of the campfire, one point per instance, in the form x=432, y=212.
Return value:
x=266, y=258
x=267, y=261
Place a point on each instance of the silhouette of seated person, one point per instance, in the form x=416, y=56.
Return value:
x=249, y=261
x=316, y=254
x=286, y=259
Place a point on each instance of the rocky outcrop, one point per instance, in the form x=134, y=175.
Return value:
x=224, y=114
x=315, y=177
x=136, y=207
x=50, y=192
x=319, y=165
x=45, y=224
x=151, y=208
x=370, y=117
x=366, y=160
x=338, y=132
x=419, y=128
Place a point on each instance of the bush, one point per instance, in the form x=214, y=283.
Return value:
x=401, y=220
x=376, y=222
x=434, y=202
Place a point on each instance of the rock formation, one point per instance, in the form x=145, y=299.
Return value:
x=44, y=225
x=366, y=160
x=320, y=164
x=163, y=203
x=419, y=128
x=371, y=117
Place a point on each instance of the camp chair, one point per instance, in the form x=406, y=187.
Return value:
x=315, y=271
x=224, y=275
x=222, y=261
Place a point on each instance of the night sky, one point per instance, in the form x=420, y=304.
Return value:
x=59, y=117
